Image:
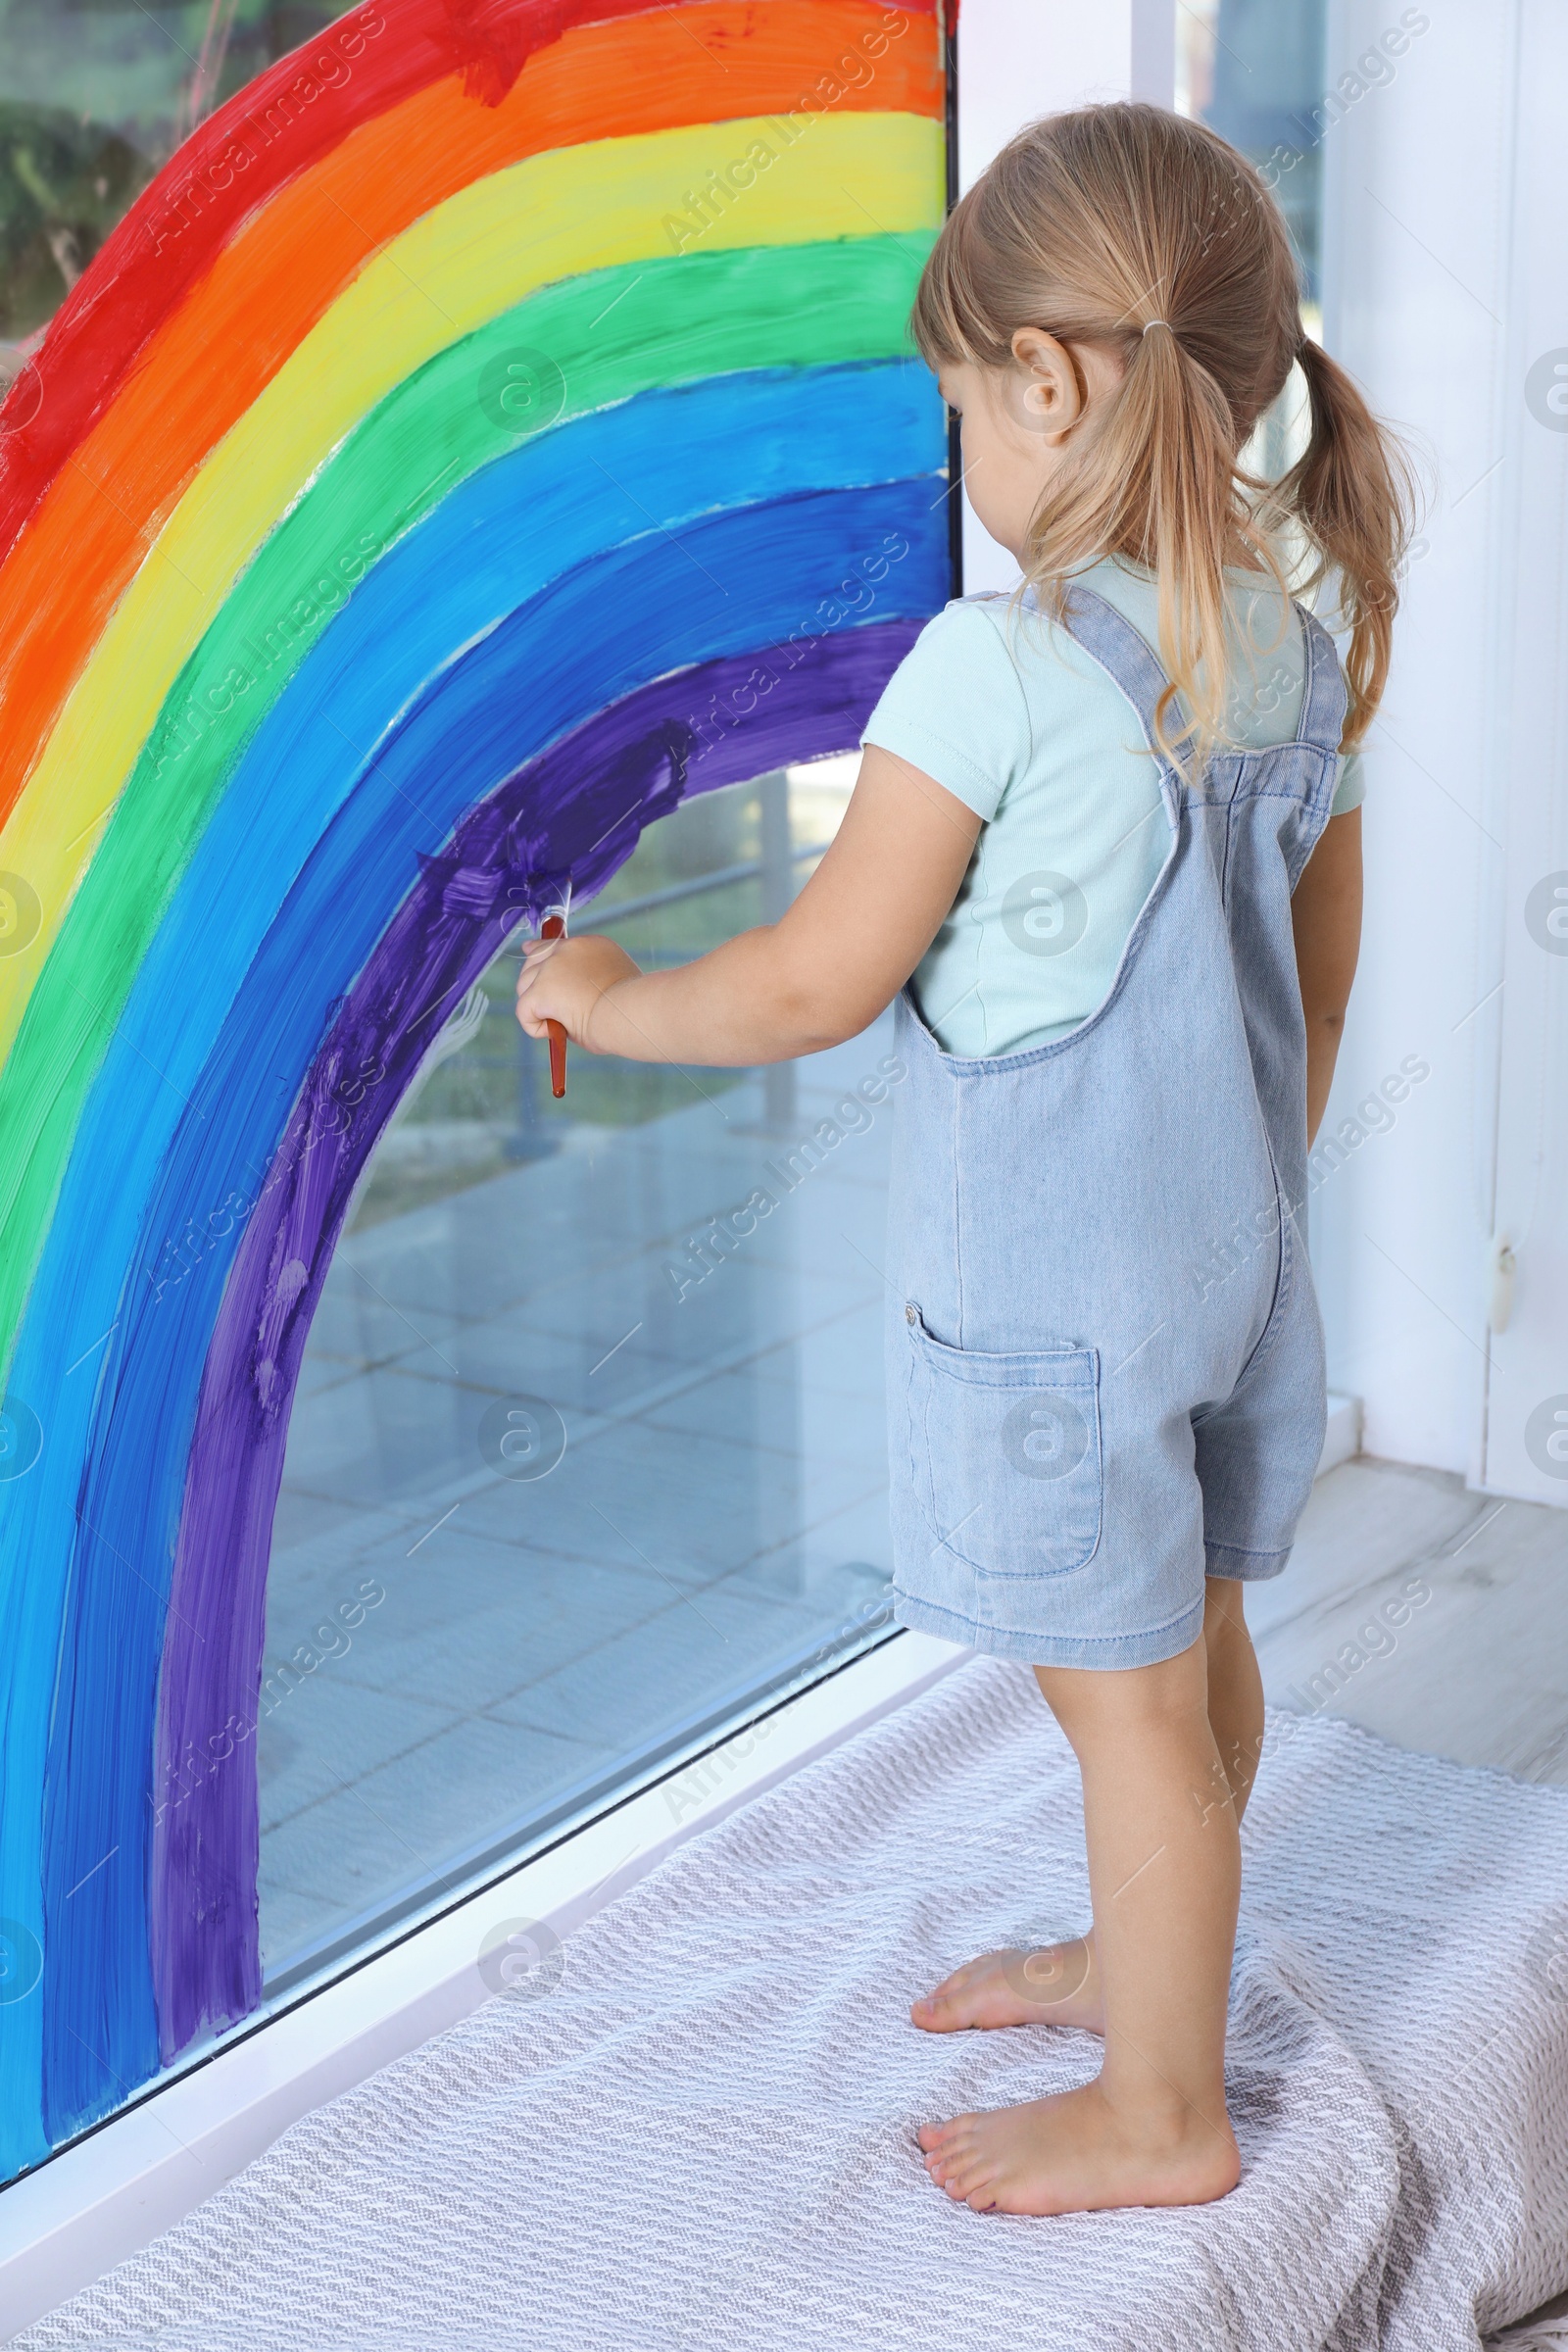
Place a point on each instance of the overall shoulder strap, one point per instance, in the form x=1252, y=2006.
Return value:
x=1129, y=660
x=1126, y=657
x=1324, y=695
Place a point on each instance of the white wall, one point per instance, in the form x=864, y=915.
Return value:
x=1446, y=274
x=1018, y=58
x=1527, y=1387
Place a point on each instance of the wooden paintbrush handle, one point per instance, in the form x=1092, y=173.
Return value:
x=553, y=927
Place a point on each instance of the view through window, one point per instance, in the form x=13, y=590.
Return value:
x=94, y=100
x=588, y=1455
x=1254, y=72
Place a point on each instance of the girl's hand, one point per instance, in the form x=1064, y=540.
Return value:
x=562, y=980
x=838, y=955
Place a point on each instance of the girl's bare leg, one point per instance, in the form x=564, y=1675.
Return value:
x=1235, y=1687
x=1058, y=1984
x=1164, y=1874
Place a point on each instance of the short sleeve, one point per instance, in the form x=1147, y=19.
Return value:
x=1351, y=791
x=955, y=707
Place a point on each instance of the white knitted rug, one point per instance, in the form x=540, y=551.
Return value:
x=701, y=2138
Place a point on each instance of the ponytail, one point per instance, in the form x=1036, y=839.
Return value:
x=1169, y=458
x=1351, y=496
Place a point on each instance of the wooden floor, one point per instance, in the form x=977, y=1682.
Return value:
x=1435, y=1617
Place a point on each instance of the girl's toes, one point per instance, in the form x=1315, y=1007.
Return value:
x=964, y=2179
x=950, y=2150
x=932, y=2011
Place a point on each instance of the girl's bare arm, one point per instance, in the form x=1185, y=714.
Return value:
x=822, y=972
x=1326, y=917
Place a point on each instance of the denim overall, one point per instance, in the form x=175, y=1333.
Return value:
x=1105, y=1358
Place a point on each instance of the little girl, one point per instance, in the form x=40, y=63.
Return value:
x=1120, y=891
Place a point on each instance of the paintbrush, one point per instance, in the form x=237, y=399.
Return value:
x=554, y=926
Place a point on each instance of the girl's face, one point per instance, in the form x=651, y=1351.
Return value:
x=1018, y=423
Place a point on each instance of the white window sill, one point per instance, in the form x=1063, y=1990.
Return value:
x=115, y=2192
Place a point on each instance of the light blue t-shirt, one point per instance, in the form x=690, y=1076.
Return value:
x=1016, y=721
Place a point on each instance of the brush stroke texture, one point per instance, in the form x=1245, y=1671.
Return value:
x=113, y=1562
x=264, y=137
x=223, y=346
x=577, y=811
x=485, y=250
x=611, y=335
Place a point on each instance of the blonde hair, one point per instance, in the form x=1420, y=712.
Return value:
x=1134, y=228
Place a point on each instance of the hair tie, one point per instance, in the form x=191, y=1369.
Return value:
x=1164, y=323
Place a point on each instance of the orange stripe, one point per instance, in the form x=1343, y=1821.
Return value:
x=267, y=289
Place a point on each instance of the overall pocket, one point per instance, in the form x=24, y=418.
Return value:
x=1008, y=1451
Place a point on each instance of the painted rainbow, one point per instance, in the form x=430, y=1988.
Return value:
x=497, y=423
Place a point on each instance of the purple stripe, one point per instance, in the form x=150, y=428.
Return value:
x=577, y=810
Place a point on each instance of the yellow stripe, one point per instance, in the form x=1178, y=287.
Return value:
x=490, y=246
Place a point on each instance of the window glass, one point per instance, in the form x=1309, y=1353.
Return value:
x=586, y=1466
x=1254, y=70
x=588, y=1458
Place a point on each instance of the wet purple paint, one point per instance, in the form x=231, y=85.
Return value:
x=578, y=809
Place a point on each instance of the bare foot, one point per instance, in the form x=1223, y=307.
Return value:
x=1075, y=2153
x=1057, y=1986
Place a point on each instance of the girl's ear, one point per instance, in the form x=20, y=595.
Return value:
x=1048, y=390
